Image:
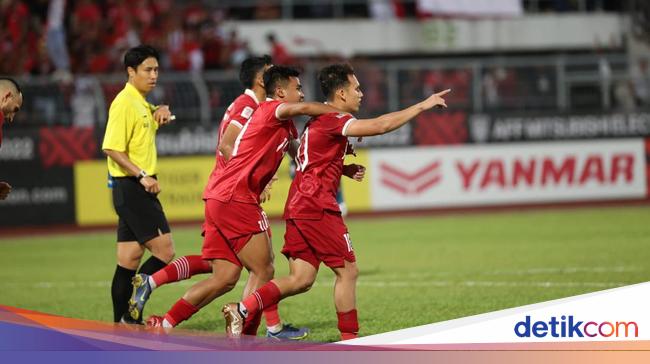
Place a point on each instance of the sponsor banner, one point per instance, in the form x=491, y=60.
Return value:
x=183, y=139
x=508, y=174
x=38, y=196
x=63, y=146
x=19, y=145
x=182, y=180
x=618, y=314
x=504, y=128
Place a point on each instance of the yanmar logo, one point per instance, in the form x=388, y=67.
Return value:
x=569, y=326
x=413, y=183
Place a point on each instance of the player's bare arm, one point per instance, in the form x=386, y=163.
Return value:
x=5, y=188
x=389, y=122
x=290, y=110
x=354, y=171
x=227, y=142
x=149, y=183
x=266, y=194
x=162, y=115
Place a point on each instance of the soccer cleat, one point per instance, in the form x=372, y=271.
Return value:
x=141, y=292
x=234, y=320
x=289, y=332
x=154, y=321
x=126, y=319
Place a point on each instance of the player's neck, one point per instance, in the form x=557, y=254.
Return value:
x=259, y=93
x=337, y=105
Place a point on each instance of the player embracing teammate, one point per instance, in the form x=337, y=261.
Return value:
x=235, y=225
x=315, y=231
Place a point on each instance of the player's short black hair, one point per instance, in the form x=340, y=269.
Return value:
x=250, y=67
x=13, y=82
x=334, y=77
x=277, y=75
x=136, y=55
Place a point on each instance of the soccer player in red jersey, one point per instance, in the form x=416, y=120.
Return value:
x=11, y=99
x=315, y=230
x=235, y=225
x=236, y=116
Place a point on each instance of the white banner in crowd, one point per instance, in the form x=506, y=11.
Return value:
x=618, y=314
x=507, y=174
x=471, y=7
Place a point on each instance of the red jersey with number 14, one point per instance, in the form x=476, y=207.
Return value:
x=256, y=156
x=319, y=167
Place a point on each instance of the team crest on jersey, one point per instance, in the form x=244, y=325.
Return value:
x=247, y=112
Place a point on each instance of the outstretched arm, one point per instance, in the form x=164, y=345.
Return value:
x=289, y=110
x=389, y=122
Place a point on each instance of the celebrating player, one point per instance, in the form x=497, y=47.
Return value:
x=315, y=230
x=236, y=116
x=235, y=225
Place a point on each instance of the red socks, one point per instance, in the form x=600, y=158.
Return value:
x=251, y=324
x=271, y=315
x=266, y=296
x=348, y=325
x=180, y=269
x=181, y=311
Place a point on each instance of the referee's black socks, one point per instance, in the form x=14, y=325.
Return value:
x=152, y=265
x=121, y=290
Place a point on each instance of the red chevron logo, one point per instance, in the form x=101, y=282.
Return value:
x=413, y=183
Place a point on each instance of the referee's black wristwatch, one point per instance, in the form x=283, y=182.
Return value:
x=142, y=175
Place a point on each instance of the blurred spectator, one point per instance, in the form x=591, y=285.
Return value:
x=279, y=52
x=264, y=10
x=83, y=103
x=55, y=40
x=386, y=9
x=641, y=82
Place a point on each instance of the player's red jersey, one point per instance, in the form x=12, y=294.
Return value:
x=319, y=167
x=256, y=156
x=238, y=113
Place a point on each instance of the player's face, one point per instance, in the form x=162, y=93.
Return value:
x=145, y=76
x=11, y=104
x=293, y=90
x=353, y=94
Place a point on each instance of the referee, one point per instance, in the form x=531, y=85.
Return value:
x=130, y=144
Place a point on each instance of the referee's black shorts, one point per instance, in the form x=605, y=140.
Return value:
x=141, y=216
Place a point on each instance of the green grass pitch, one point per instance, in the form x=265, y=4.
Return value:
x=414, y=271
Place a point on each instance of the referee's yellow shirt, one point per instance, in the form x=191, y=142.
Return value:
x=131, y=129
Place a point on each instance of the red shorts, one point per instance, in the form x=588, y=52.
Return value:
x=228, y=227
x=314, y=241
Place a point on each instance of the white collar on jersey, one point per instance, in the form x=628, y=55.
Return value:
x=269, y=99
x=251, y=93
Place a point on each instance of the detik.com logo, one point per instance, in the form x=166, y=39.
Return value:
x=568, y=326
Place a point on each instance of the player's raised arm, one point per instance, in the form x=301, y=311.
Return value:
x=290, y=110
x=391, y=121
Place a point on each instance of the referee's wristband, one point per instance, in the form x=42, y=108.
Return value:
x=142, y=175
